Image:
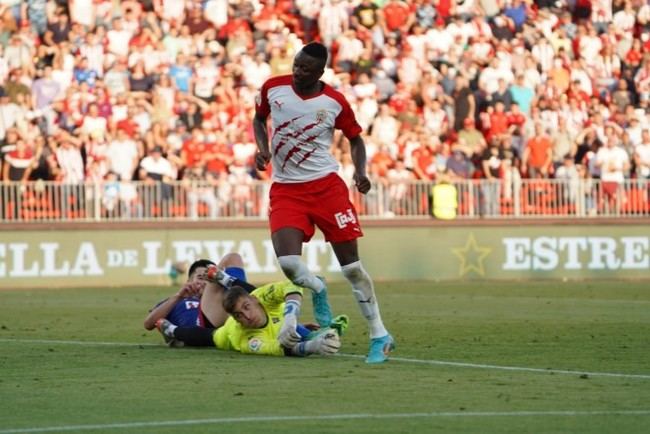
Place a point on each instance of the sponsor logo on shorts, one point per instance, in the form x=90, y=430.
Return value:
x=343, y=218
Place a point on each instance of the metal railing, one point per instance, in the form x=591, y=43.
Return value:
x=140, y=201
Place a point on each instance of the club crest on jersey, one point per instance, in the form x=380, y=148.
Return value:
x=278, y=104
x=321, y=115
x=255, y=344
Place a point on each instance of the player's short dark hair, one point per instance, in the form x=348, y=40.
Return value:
x=316, y=50
x=197, y=264
x=233, y=294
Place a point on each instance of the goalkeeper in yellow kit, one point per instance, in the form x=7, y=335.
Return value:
x=263, y=322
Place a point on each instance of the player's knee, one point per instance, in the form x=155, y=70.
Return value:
x=231, y=260
x=353, y=272
x=292, y=268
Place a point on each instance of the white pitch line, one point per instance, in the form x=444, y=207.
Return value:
x=356, y=356
x=85, y=343
x=256, y=419
x=506, y=368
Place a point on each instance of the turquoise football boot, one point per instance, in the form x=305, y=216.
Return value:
x=322, y=311
x=380, y=349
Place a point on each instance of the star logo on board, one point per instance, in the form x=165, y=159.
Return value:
x=471, y=257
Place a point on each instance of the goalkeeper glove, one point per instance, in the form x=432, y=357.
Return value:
x=326, y=343
x=288, y=336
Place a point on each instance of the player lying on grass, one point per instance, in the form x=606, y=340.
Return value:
x=199, y=301
x=262, y=322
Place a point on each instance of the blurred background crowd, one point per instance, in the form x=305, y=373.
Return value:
x=162, y=90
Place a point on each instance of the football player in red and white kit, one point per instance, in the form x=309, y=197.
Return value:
x=307, y=191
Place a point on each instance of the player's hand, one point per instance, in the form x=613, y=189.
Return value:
x=362, y=182
x=262, y=158
x=190, y=289
x=288, y=335
x=213, y=273
x=327, y=343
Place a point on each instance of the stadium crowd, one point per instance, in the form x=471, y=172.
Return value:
x=161, y=90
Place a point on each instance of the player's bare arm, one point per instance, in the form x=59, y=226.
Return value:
x=263, y=155
x=190, y=289
x=358, y=151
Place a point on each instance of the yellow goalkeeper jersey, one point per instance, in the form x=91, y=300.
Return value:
x=234, y=337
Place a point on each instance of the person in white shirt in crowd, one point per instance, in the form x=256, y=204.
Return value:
x=333, y=20
x=399, y=177
x=614, y=163
x=386, y=127
x=123, y=155
x=118, y=39
x=157, y=171
x=642, y=156
x=93, y=124
x=256, y=70
x=10, y=114
x=569, y=174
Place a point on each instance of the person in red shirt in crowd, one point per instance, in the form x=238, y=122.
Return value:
x=127, y=124
x=634, y=55
x=424, y=161
x=537, y=159
x=498, y=121
x=18, y=162
x=399, y=101
x=575, y=92
x=382, y=160
x=396, y=18
x=234, y=24
x=516, y=118
x=219, y=156
x=445, y=8
x=194, y=149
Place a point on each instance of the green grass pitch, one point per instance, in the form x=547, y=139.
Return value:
x=484, y=357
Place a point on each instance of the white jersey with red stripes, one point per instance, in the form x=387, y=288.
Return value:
x=302, y=129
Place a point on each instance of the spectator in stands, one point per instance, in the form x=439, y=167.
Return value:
x=156, y=170
x=464, y=103
x=200, y=186
x=68, y=155
x=46, y=167
x=123, y=155
x=18, y=163
x=569, y=174
x=385, y=128
x=575, y=68
x=93, y=124
x=17, y=84
x=459, y=166
x=424, y=161
x=491, y=161
x=563, y=143
x=399, y=178
x=642, y=156
x=332, y=21
x=470, y=140
x=396, y=18
x=613, y=162
x=537, y=158
x=10, y=114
